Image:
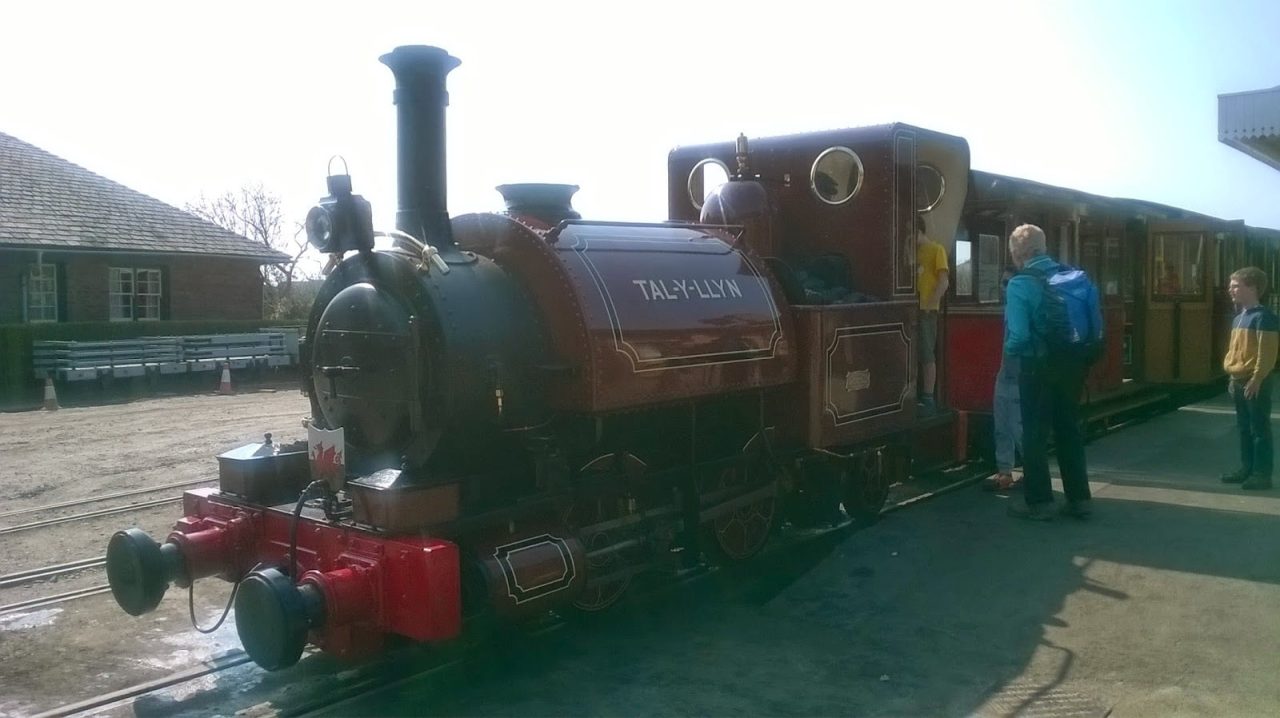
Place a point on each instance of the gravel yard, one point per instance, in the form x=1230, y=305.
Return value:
x=55, y=655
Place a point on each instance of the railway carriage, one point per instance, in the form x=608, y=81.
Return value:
x=1162, y=273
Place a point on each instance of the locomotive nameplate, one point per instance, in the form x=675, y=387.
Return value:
x=660, y=290
x=674, y=297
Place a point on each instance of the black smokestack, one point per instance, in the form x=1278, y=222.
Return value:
x=420, y=99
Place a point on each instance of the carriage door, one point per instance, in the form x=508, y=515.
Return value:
x=1179, y=307
x=1232, y=252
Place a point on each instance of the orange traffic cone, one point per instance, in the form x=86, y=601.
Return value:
x=224, y=386
x=50, y=395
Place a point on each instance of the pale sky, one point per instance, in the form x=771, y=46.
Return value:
x=179, y=98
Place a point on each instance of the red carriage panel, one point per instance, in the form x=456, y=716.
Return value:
x=1107, y=375
x=974, y=340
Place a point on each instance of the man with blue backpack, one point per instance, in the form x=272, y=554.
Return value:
x=1053, y=325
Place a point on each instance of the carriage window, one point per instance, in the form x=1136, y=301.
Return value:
x=1178, y=265
x=836, y=175
x=989, y=270
x=1111, y=268
x=930, y=187
x=1091, y=256
x=1224, y=260
x=964, y=268
x=705, y=178
x=1061, y=249
x=1130, y=277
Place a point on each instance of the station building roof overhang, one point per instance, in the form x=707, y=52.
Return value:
x=1250, y=122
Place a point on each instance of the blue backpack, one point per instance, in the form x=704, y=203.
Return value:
x=1064, y=319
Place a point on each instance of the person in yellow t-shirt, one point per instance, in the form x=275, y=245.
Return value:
x=932, y=280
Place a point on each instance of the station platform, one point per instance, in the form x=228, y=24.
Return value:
x=1176, y=606
x=1165, y=603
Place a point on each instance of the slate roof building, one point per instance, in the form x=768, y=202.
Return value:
x=78, y=247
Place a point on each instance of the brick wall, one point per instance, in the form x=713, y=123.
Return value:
x=12, y=265
x=194, y=288
x=87, y=287
x=215, y=289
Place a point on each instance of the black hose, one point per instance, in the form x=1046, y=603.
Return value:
x=191, y=607
x=293, y=563
x=191, y=603
x=293, y=528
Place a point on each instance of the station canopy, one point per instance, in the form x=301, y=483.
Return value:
x=1250, y=122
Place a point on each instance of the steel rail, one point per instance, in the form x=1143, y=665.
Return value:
x=103, y=497
x=88, y=515
x=57, y=598
x=17, y=578
x=228, y=660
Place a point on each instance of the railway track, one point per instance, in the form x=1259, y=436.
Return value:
x=398, y=668
x=18, y=578
x=104, y=497
x=88, y=515
x=22, y=578
x=56, y=598
x=226, y=661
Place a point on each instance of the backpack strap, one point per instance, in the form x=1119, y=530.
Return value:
x=1040, y=274
x=1042, y=278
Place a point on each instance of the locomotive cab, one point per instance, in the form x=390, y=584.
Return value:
x=833, y=214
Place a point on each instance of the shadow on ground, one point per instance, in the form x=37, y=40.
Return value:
x=935, y=611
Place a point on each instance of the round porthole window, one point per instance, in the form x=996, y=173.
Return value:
x=930, y=186
x=836, y=175
x=705, y=178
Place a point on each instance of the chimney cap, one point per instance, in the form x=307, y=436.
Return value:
x=425, y=57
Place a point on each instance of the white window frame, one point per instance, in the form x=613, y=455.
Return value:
x=147, y=286
x=964, y=265
x=134, y=290
x=42, y=293
x=988, y=258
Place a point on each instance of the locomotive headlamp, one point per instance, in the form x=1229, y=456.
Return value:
x=319, y=228
x=342, y=222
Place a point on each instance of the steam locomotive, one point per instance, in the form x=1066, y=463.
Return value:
x=522, y=411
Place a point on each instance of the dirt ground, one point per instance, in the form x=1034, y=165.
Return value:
x=74, y=453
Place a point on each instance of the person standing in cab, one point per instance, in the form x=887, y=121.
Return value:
x=1251, y=355
x=932, y=280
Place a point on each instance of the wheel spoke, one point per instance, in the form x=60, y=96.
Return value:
x=742, y=533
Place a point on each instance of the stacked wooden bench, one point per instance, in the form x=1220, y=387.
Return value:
x=163, y=356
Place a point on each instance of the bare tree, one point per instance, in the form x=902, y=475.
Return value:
x=254, y=212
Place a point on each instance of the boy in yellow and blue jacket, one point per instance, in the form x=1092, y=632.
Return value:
x=1251, y=355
